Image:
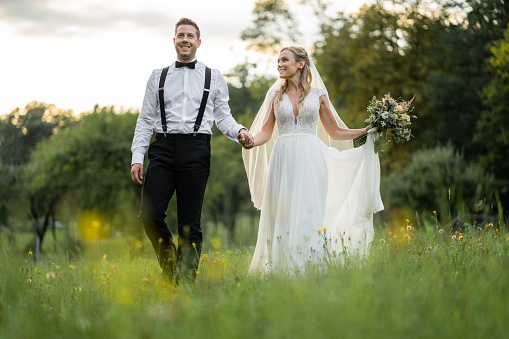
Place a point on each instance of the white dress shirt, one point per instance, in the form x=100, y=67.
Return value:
x=183, y=90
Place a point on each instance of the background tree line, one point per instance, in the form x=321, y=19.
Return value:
x=453, y=55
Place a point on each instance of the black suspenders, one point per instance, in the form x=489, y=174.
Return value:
x=203, y=103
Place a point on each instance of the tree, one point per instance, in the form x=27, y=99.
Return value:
x=454, y=89
x=20, y=132
x=491, y=133
x=22, y=129
x=380, y=50
x=274, y=23
x=84, y=168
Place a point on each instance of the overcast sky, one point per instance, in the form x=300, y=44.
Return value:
x=78, y=53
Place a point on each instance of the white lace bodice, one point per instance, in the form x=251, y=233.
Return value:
x=307, y=119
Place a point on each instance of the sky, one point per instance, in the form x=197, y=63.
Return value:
x=78, y=53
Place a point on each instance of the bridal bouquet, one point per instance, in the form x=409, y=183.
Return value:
x=390, y=119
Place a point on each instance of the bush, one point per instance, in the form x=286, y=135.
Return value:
x=440, y=180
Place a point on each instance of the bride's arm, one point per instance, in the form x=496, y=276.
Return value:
x=333, y=129
x=266, y=132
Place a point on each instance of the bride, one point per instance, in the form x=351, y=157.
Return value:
x=317, y=194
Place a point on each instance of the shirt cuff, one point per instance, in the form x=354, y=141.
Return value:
x=137, y=158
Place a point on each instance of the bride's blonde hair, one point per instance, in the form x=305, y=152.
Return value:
x=299, y=54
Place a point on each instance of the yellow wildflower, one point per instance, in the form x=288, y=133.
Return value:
x=319, y=230
x=407, y=220
x=30, y=252
x=435, y=212
x=227, y=251
x=197, y=272
x=205, y=256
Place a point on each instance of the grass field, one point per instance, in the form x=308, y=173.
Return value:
x=414, y=284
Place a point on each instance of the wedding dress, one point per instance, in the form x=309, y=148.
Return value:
x=317, y=196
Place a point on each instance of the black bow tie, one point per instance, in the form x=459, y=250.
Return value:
x=190, y=65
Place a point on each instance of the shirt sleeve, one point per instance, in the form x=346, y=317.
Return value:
x=222, y=114
x=147, y=120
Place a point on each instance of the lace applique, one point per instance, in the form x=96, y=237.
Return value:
x=307, y=119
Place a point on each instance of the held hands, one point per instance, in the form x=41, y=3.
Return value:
x=137, y=173
x=245, y=139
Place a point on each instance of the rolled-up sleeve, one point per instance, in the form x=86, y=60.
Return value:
x=222, y=114
x=146, y=120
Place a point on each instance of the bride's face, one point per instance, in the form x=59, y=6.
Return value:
x=287, y=66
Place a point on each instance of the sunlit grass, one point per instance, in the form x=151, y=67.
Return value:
x=434, y=284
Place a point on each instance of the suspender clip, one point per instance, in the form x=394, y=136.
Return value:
x=196, y=128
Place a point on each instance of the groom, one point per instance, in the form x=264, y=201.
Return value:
x=181, y=103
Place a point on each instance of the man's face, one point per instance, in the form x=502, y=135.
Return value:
x=186, y=42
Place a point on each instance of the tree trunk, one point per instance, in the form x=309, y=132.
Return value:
x=39, y=235
x=12, y=241
x=53, y=227
x=37, y=245
x=231, y=231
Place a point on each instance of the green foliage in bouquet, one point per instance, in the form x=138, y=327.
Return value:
x=390, y=119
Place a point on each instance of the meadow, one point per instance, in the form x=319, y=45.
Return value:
x=426, y=283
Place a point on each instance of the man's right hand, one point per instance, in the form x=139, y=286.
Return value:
x=137, y=173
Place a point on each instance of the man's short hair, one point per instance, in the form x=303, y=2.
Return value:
x=187, y=21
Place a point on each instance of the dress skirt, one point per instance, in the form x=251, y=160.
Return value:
x=318, y=204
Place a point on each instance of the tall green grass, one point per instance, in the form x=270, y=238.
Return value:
x=414, y=284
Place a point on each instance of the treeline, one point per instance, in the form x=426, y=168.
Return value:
x=453, y=55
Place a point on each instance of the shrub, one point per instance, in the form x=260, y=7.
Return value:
x=439, y=179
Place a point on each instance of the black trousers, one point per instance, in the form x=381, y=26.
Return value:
x=177, y=163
